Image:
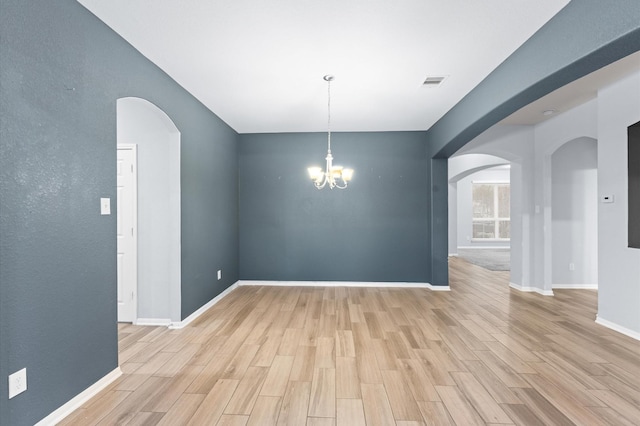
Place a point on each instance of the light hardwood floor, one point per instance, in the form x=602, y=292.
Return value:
x=480, y=354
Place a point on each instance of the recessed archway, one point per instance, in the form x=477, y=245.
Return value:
x=572, y=258
x=143, y=124
x=465, y=171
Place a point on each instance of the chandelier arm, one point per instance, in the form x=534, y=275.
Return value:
x=321, y=185
x=343, y=186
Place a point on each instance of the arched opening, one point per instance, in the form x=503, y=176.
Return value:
x=157, y=139
x=472, y=238
x=574, y=215
x=499, y=146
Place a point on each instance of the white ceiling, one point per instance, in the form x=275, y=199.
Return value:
x=259, y=64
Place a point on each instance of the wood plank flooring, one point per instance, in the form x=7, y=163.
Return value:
x=481, y=354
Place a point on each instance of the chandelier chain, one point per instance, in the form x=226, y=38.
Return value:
x=329, y=113
x=332, y=176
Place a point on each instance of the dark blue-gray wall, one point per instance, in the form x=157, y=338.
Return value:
x=61, y=72
x=375, y=230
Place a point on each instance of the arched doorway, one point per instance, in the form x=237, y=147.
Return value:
x=141, y=123
x=574, y=215
x=467, y=173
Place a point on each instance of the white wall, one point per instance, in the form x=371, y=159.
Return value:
x=464, y=206
x=550, y=135
x=574, y=214
x=142, y=123
x=619, y=266
x=453, y=218
x=520, y=219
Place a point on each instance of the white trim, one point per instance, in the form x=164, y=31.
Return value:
x=575, y=286
x=344, y=284
x=531, y=289
x=77, y=401
x=491, y=182
x=485, y=247
x=615, y=327
x=203, y=308
x=134, y=148
x=453, y=254
x=153, y=322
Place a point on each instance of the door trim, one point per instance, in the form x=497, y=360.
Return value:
x=134, y=149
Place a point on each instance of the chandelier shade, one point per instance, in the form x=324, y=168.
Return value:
x=332, y=176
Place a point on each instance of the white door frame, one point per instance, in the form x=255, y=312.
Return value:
x=134, y=301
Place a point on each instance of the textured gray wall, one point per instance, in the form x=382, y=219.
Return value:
x=439, y=216
x=62, y=71
x=375, y=230
x=209, y=208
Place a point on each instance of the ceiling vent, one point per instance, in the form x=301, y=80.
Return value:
x=433, y=81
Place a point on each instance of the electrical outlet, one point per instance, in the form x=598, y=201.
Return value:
x=219, y=274
x=17, y=382
x=572, y=266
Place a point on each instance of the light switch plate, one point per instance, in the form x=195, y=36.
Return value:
x=105, y=206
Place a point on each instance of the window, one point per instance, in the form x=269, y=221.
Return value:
x=491, y=213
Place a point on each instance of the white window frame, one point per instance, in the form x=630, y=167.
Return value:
x=496, y=219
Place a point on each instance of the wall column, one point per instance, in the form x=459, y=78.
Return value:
x=439, y=201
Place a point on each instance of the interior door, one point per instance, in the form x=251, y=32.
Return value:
x=126, y=228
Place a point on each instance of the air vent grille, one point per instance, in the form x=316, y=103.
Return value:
x=433, y=81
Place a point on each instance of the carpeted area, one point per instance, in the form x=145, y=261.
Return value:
x=493, y=259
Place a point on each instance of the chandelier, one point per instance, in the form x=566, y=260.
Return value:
x=332, y=176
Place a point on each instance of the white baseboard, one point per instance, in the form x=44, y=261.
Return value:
x=77, y=401
x=483, y=247
x=453, y=254
x=344, y=284
x=154, y=321
x=531, y=289
x=575, y=286
x=203, y=309
x=615, y=327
